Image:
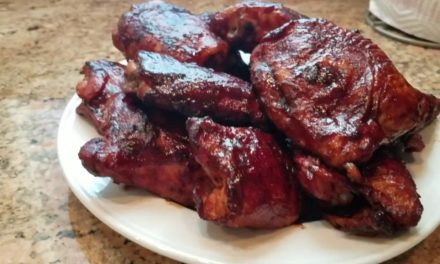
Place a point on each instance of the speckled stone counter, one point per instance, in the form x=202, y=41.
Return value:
x=43, y=45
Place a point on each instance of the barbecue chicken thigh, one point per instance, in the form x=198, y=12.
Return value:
x=334, y=93
x=249, y=180
x=161, y=27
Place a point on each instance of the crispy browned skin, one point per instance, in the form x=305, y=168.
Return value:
x=393, y=202
x=249, y=180
x=243, y=25
x=365, y=222
x=321, y=181
x=134, y=151
x=161, y=27
x=335, y=93
x=191, y=90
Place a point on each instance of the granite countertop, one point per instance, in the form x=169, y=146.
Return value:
x=43, y=46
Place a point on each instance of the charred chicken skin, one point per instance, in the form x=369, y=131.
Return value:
x=335, y=93
x=133, y=150
x=191, y=90
x=161, y=27
x=390, y=192
x=243, y=25
x=249, y=180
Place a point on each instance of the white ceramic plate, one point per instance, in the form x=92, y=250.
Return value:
x=178, y=233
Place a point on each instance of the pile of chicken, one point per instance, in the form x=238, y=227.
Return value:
x=313, y=126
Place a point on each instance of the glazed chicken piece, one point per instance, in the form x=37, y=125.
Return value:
x=104, y=79
x=161, y=27
x=192, y=90
x=393, y=202
x=334, y=93
x=102, y=84
x=387, y=184
x=134, y=151
x=322, y=182
x=243, y=25
x=249, y=180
